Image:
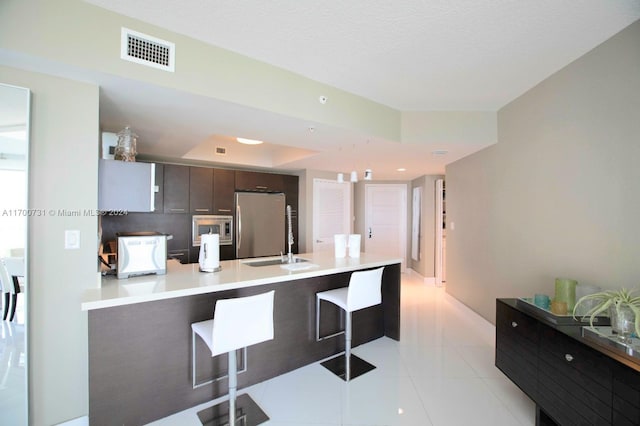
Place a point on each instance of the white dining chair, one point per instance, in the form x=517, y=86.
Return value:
x=11, y=274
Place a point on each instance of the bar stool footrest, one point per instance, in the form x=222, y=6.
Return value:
x=248, y=413
x=337, y=366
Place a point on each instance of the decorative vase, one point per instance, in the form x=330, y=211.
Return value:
x=566, y=292
x=622, y=321
x=126, y=149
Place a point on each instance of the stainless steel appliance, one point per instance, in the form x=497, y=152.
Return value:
x=141, y=253
x=260, y=224
x=212, y=224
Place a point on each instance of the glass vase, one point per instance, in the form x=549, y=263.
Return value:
x=622, y=321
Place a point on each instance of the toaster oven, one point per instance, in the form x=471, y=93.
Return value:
x=141, y=253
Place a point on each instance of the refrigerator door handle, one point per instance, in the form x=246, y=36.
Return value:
x=239, y=214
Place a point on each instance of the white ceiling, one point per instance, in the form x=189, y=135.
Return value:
x=411, y=55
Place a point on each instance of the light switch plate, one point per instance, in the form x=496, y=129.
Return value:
x=71, y=239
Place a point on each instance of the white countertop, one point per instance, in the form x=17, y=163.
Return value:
x=187, y=280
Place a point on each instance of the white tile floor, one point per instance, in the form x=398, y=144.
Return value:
x=13, y=369
x=441, y=373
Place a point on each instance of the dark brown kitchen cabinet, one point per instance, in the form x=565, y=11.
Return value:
x=176, y=188
x=258, y=181
x=181, y=256
x=223, y=191
x=200, y=190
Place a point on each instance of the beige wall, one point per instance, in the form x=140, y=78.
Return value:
x=558, y=195
x=62, y=175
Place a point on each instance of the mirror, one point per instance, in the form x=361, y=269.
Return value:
x=14, y=138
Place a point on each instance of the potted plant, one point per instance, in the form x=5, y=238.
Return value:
x=623, y=307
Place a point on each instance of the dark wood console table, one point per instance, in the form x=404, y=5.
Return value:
x=573, y=380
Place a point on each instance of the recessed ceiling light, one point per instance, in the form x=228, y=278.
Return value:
x=248, y=141
x=440, y=152
x=401, y=169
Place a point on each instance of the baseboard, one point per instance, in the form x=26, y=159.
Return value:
x=478, y=320
x=80, y=421
x=426, y=280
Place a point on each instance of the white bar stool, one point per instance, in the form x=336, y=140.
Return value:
x=236, y=324
x=364, y=290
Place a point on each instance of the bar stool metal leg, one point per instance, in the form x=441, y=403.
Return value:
x=347, y=348
x=233, y=387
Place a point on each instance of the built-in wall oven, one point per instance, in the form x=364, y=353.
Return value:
x=215, y=224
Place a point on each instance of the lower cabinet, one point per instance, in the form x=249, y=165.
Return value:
x=570, y=382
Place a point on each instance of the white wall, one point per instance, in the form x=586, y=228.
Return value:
x=62, y=175
x=558, y=195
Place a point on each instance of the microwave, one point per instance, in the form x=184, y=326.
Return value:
x=214, y=224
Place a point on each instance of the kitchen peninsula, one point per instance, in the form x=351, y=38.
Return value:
x=140, y=335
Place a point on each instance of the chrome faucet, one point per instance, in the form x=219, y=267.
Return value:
x=289, y=234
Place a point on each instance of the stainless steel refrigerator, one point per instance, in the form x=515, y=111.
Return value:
x=260, y=224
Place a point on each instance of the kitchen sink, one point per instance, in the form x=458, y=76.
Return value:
x=270, y=262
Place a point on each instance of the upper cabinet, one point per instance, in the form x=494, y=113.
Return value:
x=258, y=181
x=176, y=188
x=125, y=185
x=223, y=191
x=201, y=190
x=159, y=189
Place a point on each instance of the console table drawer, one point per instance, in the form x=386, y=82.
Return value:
x=588, y=367
x=517, y=348
x=626, y=396
x=576, y=375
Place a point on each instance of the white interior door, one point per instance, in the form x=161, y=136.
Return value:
x=386, y=220
x=331, y=212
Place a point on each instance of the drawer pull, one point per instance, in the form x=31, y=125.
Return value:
x=568, y=357
x=514, y=324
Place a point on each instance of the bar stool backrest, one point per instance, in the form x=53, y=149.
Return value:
x=11, y=267
x=242, y=322
x=364, y=289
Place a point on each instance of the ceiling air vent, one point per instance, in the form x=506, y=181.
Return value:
x=221, y=150
x=146, y=50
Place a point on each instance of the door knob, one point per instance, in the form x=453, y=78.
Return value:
x=370, y=232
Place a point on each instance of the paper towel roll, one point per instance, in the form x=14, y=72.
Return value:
x=209, y=258
x=340, y=241
x=354, y=245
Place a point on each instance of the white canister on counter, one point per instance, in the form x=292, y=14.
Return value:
x=354, y=245
x=340, y=241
